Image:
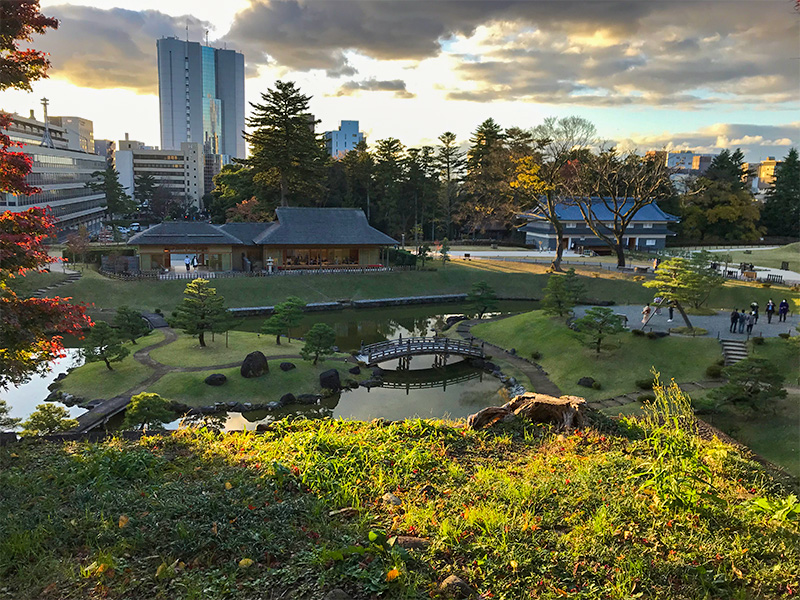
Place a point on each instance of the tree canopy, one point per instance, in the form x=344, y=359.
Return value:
x=319, y=342
x=781, y=213
x=104, y=343
x=201, y=310
x=286, y=315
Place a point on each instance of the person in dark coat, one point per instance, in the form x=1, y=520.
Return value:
x=770, y=310
x=734, y=320
x=754, y=311
x=742, y=321
x=751, y=320
x=783, y=310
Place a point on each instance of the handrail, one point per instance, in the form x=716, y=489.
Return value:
x=381, y=351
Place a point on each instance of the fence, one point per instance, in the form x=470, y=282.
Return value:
x=189, y=275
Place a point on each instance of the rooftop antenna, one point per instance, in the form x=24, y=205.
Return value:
x=206, y=37
x=187, y=30
x=47, y=140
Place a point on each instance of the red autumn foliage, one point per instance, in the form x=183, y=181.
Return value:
x=20, y=20
x=31, y=328
x=14, y=166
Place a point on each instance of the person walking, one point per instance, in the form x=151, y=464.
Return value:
x=754, y=310
x=783, y=310
x=194, y=263
x=751, y=320
x=188, y=262
x=742, y=321
x=658, y=301
x=734, y=320
x=646, y=313
x=671, y=311
x=770, y=310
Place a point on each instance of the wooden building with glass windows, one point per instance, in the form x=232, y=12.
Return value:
x=299, y=238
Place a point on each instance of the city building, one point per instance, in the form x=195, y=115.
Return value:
x=180, y=171
x=299, y=238
x=60, y=172
x=680, y=160
x=79, y=132
x=760, y=176
x=213, y=165
x=648, y=229
x=106, y=149
x=701, y=162
x=340, y=142
x=201, y=97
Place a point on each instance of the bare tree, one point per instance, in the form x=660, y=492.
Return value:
x=558, y=141
x=610, y=189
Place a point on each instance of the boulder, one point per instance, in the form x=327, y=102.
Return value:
x=337, y=594
x=307, y=399
x=586, y=381
x=371, y=383
x=287, y=366
x=455, y=587
x=355, y=370
x=287, y=399
x=390, y=498
x=254, y=365
x=378, y=372
x=261, y=427
x=330, y=379
x=274, y=405
x=410, y=542
x=351, y=384
x=489, y=366
x=216, y=379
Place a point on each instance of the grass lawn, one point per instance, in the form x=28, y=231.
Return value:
x=26, y=284
x=515, y=511
x=190, y=389
x=187, y=352
x=783, y=356
x=566, y=360
x=768, y=258
x=94, y=381
x=518, y=280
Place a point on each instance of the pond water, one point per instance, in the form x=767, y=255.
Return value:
x=454, y=391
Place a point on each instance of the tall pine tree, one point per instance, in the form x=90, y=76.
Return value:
x=781, y=214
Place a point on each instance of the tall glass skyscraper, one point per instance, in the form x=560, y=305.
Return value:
x=201, y=97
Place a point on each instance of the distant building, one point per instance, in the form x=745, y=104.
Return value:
x=701, y=162
x=201, y=97
x=106, y=149
x=341, y=141
x=79, y=132
x=213, y=165
x=647, y=231
x=679, y=160
x=761, y=176
x=60, y=172
x=182, y=171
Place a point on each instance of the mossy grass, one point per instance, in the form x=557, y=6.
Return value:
x=94, y=381
x=782, y=355
x=189, y=388
x=187, y=352
x=617, y=368
x=690, y=331
x=768, y=258
x=514, y=509
x=518, y=280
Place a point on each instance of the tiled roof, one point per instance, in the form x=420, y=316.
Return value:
x=649, y=212
x=183, y=232
x=323, y=227
x=246, y=232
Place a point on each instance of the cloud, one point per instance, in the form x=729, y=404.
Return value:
x=398, y=86
x=756, y=141
x=687, y=55
x=113, y=48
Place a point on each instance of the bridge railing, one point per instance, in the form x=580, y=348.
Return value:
x=419, y=345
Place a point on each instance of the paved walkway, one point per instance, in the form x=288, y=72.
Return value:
x=717, y=326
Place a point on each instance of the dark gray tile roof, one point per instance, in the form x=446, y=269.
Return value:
x=246, y=232
x=323, y=227
x=183, y=232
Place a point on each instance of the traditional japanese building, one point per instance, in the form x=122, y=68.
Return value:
x=299, y=238
x=647, y=230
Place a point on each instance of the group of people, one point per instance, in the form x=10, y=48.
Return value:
x=647, y=310
x=741, y=321
x=191, y=263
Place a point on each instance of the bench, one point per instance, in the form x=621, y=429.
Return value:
x=775, y=278
x=641, y=269
x=625, y=269
x=749, y=275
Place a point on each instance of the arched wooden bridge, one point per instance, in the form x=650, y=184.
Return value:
x=404, y=348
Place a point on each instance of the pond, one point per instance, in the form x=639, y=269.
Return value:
x=451, y=392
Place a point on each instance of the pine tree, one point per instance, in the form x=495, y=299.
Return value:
x=107, y=182
x=286, y=315
x=482, y=298
x=596, y=325
x=451, y=167
x=130, y=324
x=781, y=213
x=103, y=343
x=47, y=419
x=144, y=188
x=284, y=150
x=676, y=282
x=320, y=340
x=444, y=251
x=149, y=411
x=557, y=299
x=201, y=310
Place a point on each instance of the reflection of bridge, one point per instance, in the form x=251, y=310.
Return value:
x=411, y=379
x=404, y=349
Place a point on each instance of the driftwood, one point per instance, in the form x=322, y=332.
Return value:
x=565, y=412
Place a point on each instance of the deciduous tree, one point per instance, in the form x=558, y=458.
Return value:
x=77, y=243
x=444, y=251
x=104, y=343
x=320, y=340
x=47, y=419
x=201, y=310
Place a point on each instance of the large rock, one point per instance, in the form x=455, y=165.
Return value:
x=355, y=370
x=455, y=587
x=330, y=379
x=307, y=399
x=216, y=379
x=565, y=412
x=254, y=365
x=287, y=399
x=287, y=366
x=586, y=381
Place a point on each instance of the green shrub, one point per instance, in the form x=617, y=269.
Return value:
x=637, y=332
x=597, y=385
x=714, y=371
x=646, y=398
x=784, y=336
x=536, y=355
x=645, y=384
x=651, y=335
x=758, y=341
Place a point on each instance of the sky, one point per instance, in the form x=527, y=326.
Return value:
x=701, y=75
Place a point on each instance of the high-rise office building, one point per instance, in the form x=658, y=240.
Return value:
x=340, y=142
x=79, y=132
x=201, y=97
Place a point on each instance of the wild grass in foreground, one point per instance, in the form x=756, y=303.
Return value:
x=618, y=511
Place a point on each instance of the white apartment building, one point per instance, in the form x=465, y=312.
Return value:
x=180, y=171
x=340, y=142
